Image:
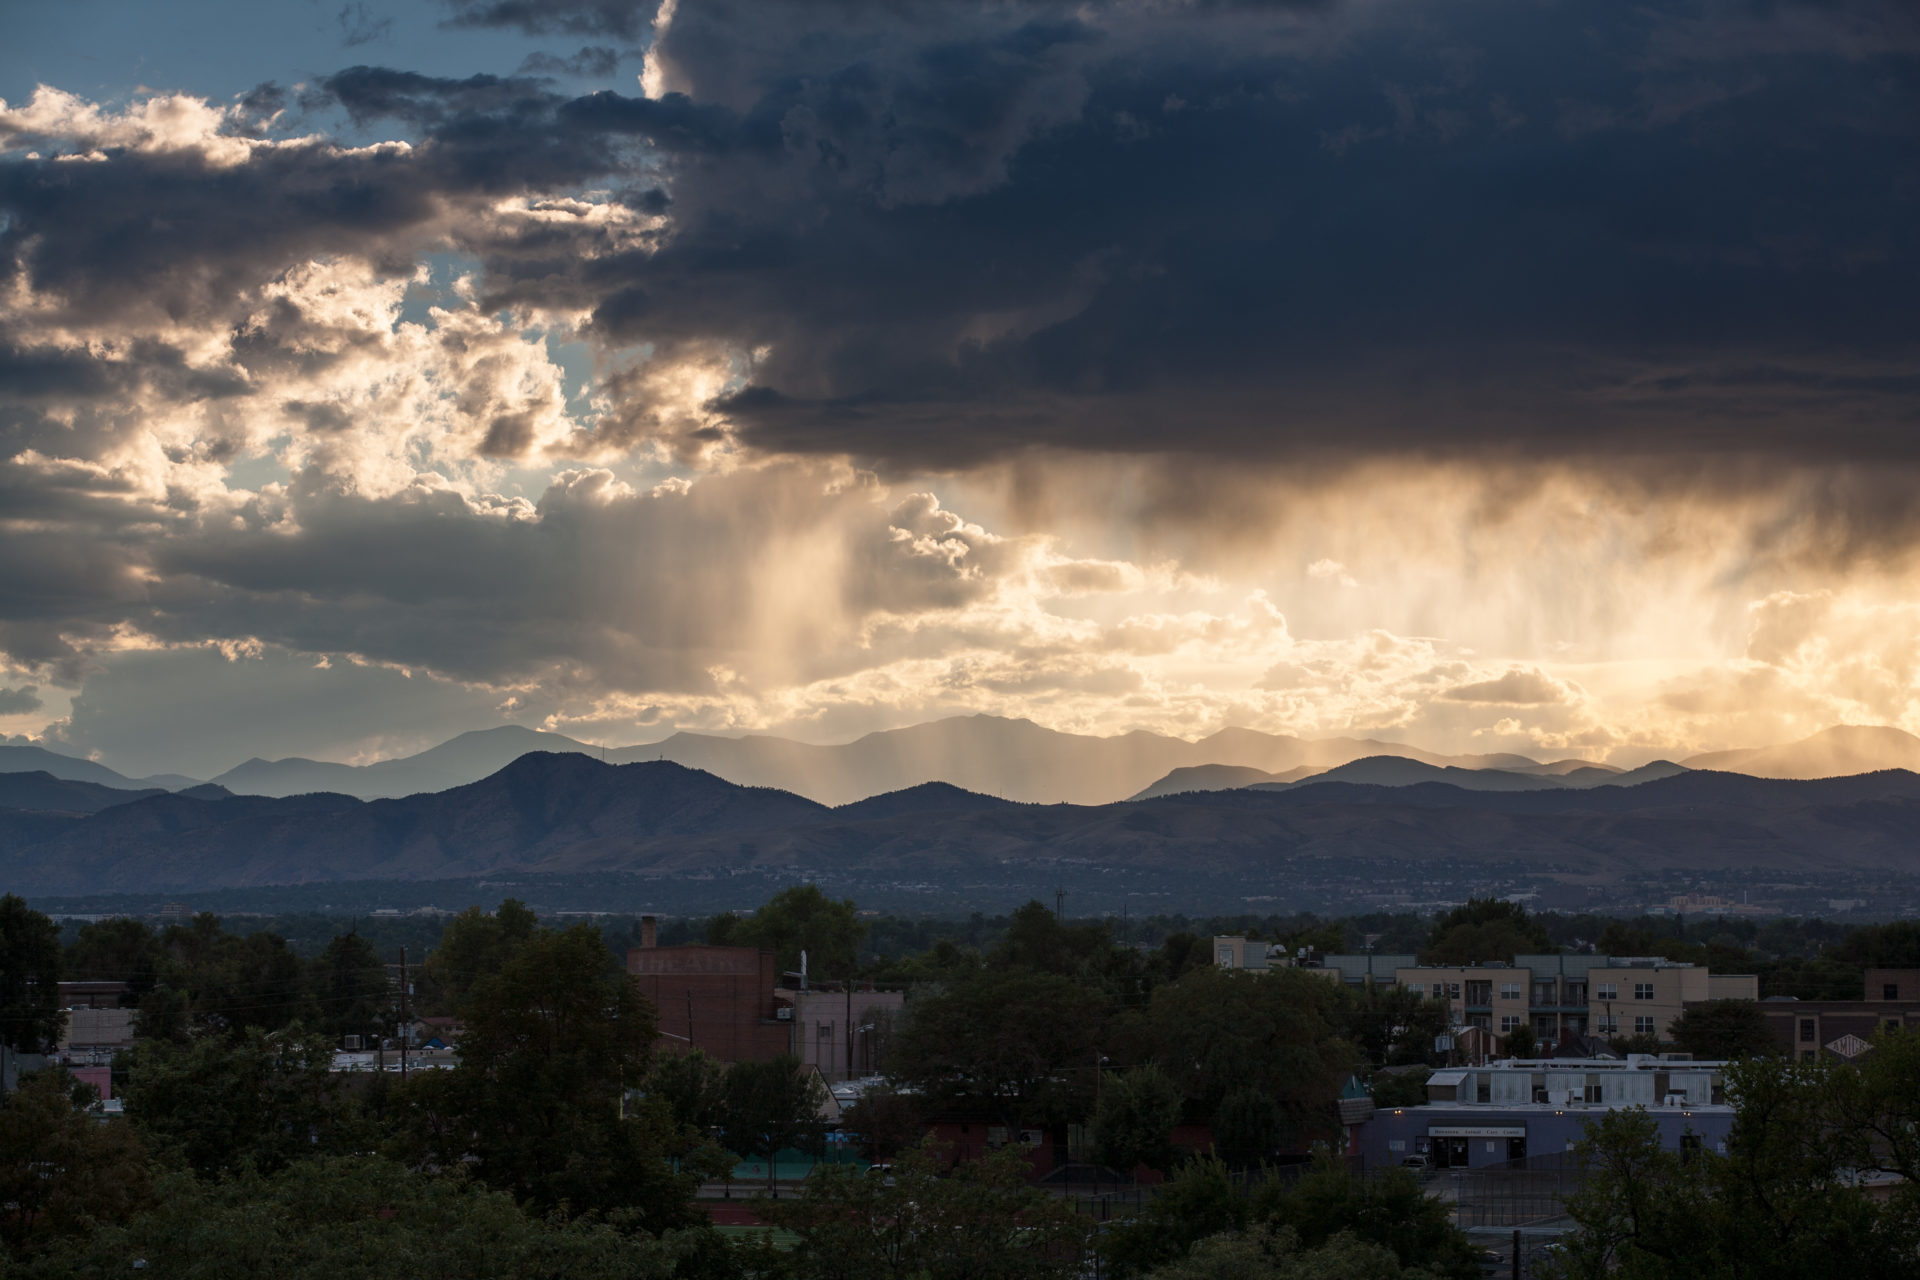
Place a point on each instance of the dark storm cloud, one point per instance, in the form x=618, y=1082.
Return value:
x=627, y=18
x=1536, y=228
x=1238, y=230
x=19, y=701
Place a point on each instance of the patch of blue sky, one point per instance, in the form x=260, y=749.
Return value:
x=111, y=49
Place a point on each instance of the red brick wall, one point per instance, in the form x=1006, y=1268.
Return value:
x=716, y=999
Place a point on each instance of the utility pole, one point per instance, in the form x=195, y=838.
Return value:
x=1059, y=896
x=405, y=1022
x=849, y=1027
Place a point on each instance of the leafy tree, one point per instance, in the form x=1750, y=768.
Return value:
x=1135, y=1119
x=61, y=1170
x=1199, y=1201
x=473, y=947
x=117, y=950
x=886, y=1120
x=264, y=1100
x=1267, y=1253
x=553, y=1040
x=769, y=1106
x=1006, y=1045
x=1403, y=1088
x=358, y=1218
x=30, y=1013
x=1394, y=1025
x=1520, y=1042
x=804, y=919
x=1038, y=940
x=226, y=983
x=1388, y=1209
x=1249, y=1128
x=1784, y=1201
x=1724, y=1030
x=1178, y=953
x=693, y=1087
x=981, y=1221
x=348, y=982
x=1220, y=1030
x=1485, y=929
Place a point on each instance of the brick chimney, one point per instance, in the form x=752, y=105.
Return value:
x=649, y=931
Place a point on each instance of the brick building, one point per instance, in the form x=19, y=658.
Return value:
x=719, y=1000
x=1843, y=1028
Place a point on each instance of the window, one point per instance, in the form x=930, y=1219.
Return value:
x=1509, y=991
x=1508, y=1022
x=1439, y=991
x=1643, y=991
x=826, y=1031
x=1453, y=991
x=1479, y=993
x=1890, y=991
x=1594, y=1093
x=1576, y=992
x=1606, y=991
x=1226, y=957
x=1607, y=1024
x=1806, y=1031
x=1642, y=1026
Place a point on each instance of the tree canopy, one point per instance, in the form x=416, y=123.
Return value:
x=1484, y=929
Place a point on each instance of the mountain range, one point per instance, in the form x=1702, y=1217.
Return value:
x=569, y=813
x=1012, y=759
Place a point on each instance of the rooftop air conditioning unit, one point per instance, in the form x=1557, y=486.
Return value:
x=784, y=1013
x=350, y=1043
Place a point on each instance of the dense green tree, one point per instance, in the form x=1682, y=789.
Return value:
x=553, y=1041
x=1393, y=1025
x=770, y=1106
x=1387, y=1208
x=1484, y=929
x=1219, y=1030
x=1723, y=1029
x=693, y=1087
x=474, y=946
x=30, y=1015
x=358, y=1218
x=62, y=1170
x=886, y=1121
x=804, y=919
x=1133, y=1124
x=265, y=1100
x=1180, y=952
x=1786, y=1199
x=1039, y=941
x=1406, y=1087
x=1520, y=1042
x=1249, y=1128
x=118, y=950
x=1199, y=1201
x=979, y=1221
x=1007, y=1045
x=1268, y=1253
x=348, y=983
x=1881, y=946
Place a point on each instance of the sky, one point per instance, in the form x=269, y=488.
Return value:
x=1489, y=375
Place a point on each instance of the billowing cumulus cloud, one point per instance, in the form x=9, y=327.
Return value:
x=1496, y=375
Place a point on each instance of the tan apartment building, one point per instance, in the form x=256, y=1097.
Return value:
x=1575, y=995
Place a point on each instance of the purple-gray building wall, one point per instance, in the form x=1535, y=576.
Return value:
x=1478, y=1135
